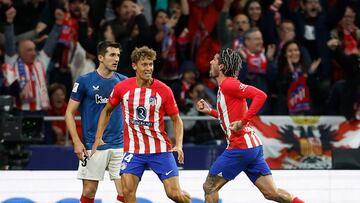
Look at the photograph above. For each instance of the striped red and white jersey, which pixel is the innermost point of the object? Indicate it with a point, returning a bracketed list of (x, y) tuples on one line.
[(144, 110), (232, 106), (34, 94)]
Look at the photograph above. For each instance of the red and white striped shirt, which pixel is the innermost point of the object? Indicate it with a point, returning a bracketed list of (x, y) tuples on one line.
[(144, 110), (34, 93), (232, 106)]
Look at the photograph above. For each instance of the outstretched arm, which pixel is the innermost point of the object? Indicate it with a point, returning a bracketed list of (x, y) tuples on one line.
[(204, 107)]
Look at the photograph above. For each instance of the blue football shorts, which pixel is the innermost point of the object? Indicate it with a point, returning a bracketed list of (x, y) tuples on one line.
[(233, 161), (163, 164)]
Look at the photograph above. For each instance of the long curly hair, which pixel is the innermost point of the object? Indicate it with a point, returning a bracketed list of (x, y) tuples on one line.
[(231, 61)]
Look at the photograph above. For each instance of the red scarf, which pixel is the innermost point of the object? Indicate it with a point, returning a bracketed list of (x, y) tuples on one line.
[(256, 63), (350, 42)]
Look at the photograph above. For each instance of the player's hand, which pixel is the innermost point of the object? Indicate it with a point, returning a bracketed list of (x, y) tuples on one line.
[(236, 126), (80, 151), (98, 142), (180, 154), (203, 106)]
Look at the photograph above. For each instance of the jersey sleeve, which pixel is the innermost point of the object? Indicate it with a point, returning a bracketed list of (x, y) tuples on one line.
[(115, 96), (170, 105), (78, 90), (240, 90)]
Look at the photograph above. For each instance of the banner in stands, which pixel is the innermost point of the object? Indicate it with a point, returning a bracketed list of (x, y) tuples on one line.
[(305, 142)]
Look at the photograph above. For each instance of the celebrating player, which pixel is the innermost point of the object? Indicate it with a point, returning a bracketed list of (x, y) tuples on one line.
[(244, 151)]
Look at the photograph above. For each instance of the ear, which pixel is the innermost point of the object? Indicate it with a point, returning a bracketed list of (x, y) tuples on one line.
[(100, 58), (221, 67), (133, 66)]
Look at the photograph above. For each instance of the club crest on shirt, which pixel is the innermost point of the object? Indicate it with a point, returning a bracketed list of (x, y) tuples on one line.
[(152, 101)]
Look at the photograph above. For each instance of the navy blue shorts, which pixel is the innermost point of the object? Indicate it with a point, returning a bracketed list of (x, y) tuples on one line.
[(232, 162), (163, 164)]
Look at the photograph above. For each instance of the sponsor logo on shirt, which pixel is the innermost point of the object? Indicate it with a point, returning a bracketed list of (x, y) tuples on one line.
[(95, 88), (100, 100), (141, 114)]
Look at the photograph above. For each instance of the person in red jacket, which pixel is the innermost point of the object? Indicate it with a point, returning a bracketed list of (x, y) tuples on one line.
[(244, 151)]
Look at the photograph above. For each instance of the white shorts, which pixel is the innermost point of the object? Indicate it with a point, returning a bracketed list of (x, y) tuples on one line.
[(94, 168)]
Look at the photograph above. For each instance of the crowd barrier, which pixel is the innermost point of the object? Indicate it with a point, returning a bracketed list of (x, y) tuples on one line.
[(297, 142)]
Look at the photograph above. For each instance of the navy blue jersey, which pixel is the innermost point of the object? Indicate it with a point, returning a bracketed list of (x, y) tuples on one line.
[(93, 91)]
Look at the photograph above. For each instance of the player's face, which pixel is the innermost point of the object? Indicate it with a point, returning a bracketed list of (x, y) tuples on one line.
[(214, 66), (111, 58), (144, 69)]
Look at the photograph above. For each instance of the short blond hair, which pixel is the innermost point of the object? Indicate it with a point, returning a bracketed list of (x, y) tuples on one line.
[(142, 53)]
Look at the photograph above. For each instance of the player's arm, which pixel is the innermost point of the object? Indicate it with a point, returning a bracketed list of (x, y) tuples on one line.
[(179, 134), (257, 97), (79, 147), (204, 107), (102, 124)]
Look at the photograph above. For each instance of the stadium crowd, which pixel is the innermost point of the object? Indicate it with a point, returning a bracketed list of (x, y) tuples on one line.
[(303, 53)]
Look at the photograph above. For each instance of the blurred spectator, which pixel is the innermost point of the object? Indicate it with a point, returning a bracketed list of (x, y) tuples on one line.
[(287, 33), (131, 30), (69, 59), (232, 36), (189, 77), (170, 40), (349, 35), (265, 16), (313, 23), (294, 91), (253, 10), (347, 32), (345, 95), (259, 69), (58, 103), (197, 131), (26, 69)]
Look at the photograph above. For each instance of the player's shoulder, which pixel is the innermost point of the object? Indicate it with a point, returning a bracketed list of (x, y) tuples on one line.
[(160, 85), (119, 76), (230, 82), (86, 78), (127, 82)]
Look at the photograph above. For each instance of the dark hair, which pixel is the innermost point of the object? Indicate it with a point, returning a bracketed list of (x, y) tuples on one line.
[(117, 3), (246, 9), (103, 45), (231, 61), (55, 86), (283, 62)]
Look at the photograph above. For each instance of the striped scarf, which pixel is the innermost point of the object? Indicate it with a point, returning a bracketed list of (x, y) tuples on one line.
[(32, 82)]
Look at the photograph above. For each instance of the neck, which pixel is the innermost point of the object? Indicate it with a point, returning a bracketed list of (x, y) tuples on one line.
[(104, 72), (144, 83), (220, 79)]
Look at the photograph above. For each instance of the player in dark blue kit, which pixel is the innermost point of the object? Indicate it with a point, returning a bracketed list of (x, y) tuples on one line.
[(91, 92)]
